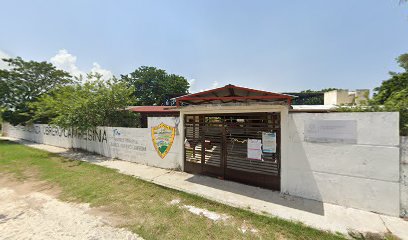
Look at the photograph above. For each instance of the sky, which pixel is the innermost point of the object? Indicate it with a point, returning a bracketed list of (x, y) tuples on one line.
[(271, 45)]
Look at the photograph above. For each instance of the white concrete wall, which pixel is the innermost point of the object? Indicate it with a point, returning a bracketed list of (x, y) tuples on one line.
[(364, 175), (338, 97), (330, 98), (130, 144), (404, 176)]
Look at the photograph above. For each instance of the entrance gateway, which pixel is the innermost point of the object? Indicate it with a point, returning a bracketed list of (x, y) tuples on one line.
[(220, 128)]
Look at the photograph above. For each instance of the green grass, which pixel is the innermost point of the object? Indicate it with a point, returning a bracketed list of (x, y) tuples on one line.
[(144, 206)]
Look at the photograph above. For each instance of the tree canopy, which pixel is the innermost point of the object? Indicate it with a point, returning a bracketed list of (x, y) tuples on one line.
[(391, 96), (398, 82), (24, 82), (309, 97), (86, 106), (38, 92), (155, 86), (393, 93), (403, 61), (319, 91)]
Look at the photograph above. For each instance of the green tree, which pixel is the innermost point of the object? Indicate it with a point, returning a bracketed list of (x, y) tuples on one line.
[(319, 91), (391, 96), (310, 97), (403, 61), (154, 86), (399, 102), (24, 83), (86, 106), (397, 83)]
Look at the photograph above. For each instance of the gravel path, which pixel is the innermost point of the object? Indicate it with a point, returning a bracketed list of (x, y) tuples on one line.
[(36, 215)]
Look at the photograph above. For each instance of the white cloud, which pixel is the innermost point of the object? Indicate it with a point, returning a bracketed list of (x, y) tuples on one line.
[(104, 72), (67, 62), (3, 65), (215, 84), (192, 85)]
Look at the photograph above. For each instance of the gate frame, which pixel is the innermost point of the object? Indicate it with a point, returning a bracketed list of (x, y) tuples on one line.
[(283, 109)]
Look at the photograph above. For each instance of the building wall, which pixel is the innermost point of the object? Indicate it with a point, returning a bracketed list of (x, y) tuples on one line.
[(337, 97), (364, 174), (404, 176), (344, 97), (361, 96), (130, 144), (330, 98)]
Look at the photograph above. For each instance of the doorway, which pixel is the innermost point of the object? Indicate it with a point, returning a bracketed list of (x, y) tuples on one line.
[(217, 145)]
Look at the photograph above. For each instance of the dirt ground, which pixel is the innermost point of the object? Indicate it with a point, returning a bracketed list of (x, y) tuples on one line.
[(31, 210)]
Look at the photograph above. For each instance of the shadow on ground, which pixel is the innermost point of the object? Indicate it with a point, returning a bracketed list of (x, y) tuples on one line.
[(262, 194), (84, 156)]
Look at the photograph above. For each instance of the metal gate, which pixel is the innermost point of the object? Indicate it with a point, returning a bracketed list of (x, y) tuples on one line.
[(216, 145)]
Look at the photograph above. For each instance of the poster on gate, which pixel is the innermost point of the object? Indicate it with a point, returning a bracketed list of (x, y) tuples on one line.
[(269, 142), (254, 151)]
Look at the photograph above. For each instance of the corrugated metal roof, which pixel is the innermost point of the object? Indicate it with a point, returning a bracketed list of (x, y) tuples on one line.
[(232, 93)]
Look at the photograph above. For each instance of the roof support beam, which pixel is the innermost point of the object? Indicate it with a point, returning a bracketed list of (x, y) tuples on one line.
[(232, 92), (235, 98), (213, 93)]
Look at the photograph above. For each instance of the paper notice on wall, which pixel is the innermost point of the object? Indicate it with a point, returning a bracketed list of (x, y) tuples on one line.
[(269, 142), (187, 143), (254, 149), (331, 131)]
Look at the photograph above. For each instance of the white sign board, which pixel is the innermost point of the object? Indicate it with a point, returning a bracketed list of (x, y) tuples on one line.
[(331, 131), (269, 142), (254, 149)]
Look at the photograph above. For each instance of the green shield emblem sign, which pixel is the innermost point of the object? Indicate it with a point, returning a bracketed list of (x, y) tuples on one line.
[(163, 137)]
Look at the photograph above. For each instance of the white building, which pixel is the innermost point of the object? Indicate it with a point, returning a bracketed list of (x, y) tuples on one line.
[(346, 97)]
